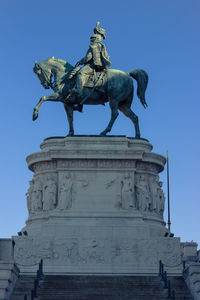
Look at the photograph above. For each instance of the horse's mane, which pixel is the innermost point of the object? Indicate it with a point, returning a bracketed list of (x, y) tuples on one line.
[(59, 61)]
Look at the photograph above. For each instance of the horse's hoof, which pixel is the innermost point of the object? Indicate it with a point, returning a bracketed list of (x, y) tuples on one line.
[(137, 136), (70, 134), (35, 116)]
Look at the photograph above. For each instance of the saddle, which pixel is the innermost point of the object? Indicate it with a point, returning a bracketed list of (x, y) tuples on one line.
[(91, 80)]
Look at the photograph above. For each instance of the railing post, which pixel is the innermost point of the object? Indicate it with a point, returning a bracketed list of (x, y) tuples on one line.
[(41, 268), (169, 289), (39, 275), (41, 265), (183, 265), (160, 267), (25, 297), (162, 271), (35, 287), (165, 279), (32, 295), (173, 295)]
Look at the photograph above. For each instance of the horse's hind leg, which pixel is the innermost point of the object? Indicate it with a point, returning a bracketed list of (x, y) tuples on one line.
[(126, 110), (114, 115)]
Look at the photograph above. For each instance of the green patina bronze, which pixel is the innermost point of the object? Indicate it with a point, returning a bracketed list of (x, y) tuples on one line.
[(92, 84)]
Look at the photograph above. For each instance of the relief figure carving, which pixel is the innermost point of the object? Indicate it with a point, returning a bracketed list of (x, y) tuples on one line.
[(109, 183), (73, 253), (157, 195), (65, 193), (153, 186), (36, 196), (160, 198), (142, 194), (29, 196), (127, 192), (49, 194), (96, 252)]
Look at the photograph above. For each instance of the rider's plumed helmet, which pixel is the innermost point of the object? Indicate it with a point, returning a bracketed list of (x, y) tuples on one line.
[(99, 30)]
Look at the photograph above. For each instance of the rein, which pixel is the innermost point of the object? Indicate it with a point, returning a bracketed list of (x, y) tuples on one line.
[(46, 77)]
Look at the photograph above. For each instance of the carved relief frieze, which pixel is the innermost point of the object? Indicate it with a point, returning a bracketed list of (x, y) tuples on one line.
[(77, 251), (127, 192), (34, 196), (142, 193), (37, 196), (126, 252), (110, 183), (65, 193), (157, 195), (78, 163), (29, 196), (170, 253), (148, 167), (83, 183), (49, 194), (83, 251), (149, 194), (42, 193), (73, 251), (150, 252), (24, 252), (95, 252), (147, 252), (43, 166), (96, 163)]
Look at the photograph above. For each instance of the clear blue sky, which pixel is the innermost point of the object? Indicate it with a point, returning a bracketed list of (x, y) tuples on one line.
[(159, 36)]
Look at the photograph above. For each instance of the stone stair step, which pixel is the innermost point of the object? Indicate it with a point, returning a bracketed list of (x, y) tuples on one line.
[(100, 288), (24, 285)]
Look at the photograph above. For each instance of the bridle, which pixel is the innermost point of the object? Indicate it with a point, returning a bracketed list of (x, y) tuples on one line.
[(45, 75)]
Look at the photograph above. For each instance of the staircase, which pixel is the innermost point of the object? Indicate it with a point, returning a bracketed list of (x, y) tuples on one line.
[(9, 273), (101, 288), (180, 287), (23, 286)]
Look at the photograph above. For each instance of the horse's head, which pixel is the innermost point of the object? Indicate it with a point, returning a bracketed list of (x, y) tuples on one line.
[(43, 73)]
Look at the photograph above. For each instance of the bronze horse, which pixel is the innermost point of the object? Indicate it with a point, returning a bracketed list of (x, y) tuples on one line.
[(117, 90)]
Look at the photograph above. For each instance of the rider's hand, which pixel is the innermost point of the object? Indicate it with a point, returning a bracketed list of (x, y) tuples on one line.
[(77, 64)]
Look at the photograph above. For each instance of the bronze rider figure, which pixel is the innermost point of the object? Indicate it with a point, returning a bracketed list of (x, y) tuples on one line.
[(96, 59)]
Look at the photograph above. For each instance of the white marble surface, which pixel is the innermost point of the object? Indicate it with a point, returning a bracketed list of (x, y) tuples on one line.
[(96, 206), (9, 274)]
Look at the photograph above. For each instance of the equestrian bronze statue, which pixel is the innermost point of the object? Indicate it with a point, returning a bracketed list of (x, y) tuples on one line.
[(92, 84)]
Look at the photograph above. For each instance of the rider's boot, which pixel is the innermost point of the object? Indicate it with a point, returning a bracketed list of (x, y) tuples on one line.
[(77, 91), (79, 84)]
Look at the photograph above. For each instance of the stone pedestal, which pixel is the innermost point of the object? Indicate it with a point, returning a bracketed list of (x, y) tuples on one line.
[(96, 207)]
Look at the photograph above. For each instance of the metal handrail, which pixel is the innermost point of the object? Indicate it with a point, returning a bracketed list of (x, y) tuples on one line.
[(167, 282), (39, 276)]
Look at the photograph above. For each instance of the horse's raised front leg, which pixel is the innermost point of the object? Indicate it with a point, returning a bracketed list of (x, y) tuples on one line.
[(53, 97), (37, 107), (114, 115), (69, 112)]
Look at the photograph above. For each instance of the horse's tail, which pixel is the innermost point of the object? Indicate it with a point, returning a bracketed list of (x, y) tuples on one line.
[(142, 80)]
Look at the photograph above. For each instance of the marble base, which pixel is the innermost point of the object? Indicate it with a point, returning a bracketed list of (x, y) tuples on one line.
[(96, 207)]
